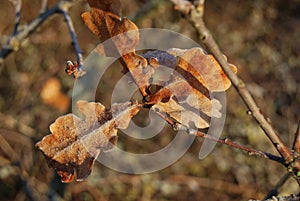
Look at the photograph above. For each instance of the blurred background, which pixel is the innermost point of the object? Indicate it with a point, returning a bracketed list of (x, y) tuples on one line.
[(260, 37)]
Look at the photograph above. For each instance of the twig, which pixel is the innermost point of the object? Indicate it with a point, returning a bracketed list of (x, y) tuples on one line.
[(18, 5), (225, 141), (195, 16), (44, 6), (275, 190), (75, 43), (296, 144), (295, 166), (16, 39)]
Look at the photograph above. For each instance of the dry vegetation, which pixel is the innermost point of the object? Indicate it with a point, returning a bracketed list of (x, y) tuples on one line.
[(260, 37)]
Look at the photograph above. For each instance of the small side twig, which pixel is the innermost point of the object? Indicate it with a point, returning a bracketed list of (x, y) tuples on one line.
[(225, 141), (75, 68), (75, 43)]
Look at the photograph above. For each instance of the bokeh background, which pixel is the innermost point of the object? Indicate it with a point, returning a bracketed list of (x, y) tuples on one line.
[(260, 37)]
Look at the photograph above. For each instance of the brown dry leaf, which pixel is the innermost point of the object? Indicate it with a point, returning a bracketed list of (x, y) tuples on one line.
[(186, 96), (99, 12), (205, 69), (184, 103), (75, 143), (51, 95), (104, 21)]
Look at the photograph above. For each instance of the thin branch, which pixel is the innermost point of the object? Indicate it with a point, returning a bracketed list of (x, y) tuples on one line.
[(44, 6), (226, 141), (295, 166), (296, 144), (18, 6), (61, 7), (73, 37), (16, 39), (75, 68), (195, 16)]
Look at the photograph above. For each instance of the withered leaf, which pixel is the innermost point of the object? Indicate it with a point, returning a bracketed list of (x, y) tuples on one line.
[(205, 69), (75, 143), (96, 18), (184, 103), (186, 96), (104, 21)]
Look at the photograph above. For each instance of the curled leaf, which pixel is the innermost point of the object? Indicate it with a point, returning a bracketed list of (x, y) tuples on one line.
[(96, 18), (205, 69), (186, 95), (75, 143), (104, 21), (183, 103)]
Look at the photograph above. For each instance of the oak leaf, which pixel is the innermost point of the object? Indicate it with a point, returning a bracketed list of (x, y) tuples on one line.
[(75, 143), (186, 95), (104, 21), (205, 69)]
